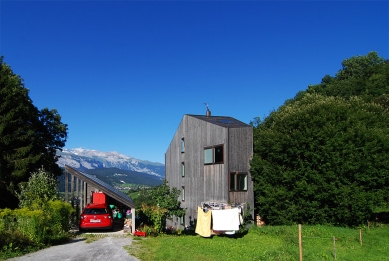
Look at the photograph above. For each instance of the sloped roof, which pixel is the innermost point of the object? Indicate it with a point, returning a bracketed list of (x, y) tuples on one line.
[(223, 121), (102, 186)]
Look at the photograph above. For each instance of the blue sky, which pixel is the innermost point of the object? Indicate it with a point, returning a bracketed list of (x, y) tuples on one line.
[(123, 73)]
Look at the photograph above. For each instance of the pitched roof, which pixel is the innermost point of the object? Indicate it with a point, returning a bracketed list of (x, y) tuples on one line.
[(101, 185), (223, 121)]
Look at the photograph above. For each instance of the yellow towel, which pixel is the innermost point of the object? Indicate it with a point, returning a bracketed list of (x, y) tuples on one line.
[(203, 224)]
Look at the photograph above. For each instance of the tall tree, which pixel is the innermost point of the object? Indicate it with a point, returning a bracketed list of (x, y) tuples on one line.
[(52, 137), (28, 137), (322, 156), (366, 76)]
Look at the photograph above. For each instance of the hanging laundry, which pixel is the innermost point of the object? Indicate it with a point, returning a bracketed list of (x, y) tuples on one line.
[(203, 224), (225, 220)]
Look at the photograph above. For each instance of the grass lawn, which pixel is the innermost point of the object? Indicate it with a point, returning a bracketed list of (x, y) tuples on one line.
[(269, 243)]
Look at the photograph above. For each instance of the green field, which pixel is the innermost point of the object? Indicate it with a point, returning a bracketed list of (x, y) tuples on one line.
[(134, 195), (270, 243)]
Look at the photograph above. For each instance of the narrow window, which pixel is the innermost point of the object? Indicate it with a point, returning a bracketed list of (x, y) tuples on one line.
[(183, 193), (232, 181), (241, 182), (182, 145), (182, 220), (238, 181), (182, 169)]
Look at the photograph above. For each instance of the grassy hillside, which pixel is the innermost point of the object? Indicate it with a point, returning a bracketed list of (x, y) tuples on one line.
[(119, 178)]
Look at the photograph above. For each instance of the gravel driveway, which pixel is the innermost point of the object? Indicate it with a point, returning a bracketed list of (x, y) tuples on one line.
[(109, 248)]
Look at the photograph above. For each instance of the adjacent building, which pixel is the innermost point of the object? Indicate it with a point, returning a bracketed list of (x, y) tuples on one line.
[(208, 159)]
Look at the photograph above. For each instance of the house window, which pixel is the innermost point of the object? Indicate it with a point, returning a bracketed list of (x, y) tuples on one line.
[(238, 181), (218, 150), (183, 193), (213, 155), (182, 220), (182, 169), (182, 145), (208, 156)]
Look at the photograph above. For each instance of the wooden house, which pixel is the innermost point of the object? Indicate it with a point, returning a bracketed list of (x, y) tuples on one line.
[(208, 159)]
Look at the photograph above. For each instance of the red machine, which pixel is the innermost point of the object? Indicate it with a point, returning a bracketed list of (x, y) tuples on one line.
[(99, 198)]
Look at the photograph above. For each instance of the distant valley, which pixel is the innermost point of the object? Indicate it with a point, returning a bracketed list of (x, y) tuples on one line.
[(116, 169)]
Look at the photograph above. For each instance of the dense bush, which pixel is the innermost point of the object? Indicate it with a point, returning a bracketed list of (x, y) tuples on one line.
[(40, 227), (163, 204), (321, 158), (40, 188)]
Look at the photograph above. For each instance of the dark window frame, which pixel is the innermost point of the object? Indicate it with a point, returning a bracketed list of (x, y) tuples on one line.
[(183, 194), (216, 157), (233, 181), (182, 169)]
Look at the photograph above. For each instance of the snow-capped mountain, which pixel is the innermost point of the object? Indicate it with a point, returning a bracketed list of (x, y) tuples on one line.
[(82, 159)]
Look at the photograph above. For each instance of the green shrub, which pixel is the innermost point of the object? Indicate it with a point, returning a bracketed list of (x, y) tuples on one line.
[(59, 214), (15, 243), (42, 227), (40, 189)]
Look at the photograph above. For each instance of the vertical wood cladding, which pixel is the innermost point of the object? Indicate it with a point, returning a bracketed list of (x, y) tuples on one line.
[(208, 182)]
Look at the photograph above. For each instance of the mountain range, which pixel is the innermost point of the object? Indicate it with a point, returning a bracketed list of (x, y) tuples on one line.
[(86, 159)]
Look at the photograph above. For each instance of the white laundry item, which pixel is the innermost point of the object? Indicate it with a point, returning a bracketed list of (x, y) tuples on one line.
[(224, 220)]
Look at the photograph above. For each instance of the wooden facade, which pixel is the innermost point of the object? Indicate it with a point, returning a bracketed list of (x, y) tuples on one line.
[(186, 168)]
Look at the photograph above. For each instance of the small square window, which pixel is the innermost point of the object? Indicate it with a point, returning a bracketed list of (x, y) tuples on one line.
[(238, 181)]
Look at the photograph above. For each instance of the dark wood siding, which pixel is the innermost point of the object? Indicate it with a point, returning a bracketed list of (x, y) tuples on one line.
[(206, 182), (239, 156)]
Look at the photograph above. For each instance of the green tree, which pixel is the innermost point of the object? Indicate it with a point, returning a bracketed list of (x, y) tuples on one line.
[(28, 137), (321, 157), (38, 191), (366, 76), (52, 135), (165, 204)]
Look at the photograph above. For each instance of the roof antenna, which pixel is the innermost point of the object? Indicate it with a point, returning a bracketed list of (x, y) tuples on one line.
[(208, 113)]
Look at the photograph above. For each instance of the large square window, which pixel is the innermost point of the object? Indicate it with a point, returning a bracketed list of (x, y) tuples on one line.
[(213, 155), (238, 181)]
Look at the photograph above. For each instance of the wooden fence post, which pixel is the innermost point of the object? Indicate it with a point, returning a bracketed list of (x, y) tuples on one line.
[(300, 243)]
